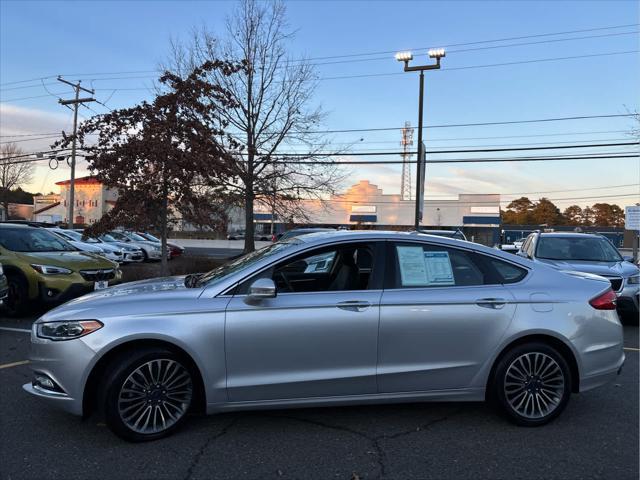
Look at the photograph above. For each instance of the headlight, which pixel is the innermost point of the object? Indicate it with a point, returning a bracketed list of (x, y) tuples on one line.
[(50, 269), (635, 280), (67, 330), (1, 270)]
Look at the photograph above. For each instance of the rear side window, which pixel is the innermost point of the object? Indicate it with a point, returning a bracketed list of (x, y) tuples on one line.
[(419, 266), (506, 272)]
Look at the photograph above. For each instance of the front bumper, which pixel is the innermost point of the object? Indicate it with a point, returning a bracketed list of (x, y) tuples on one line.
[(67, 363), (628, 299)]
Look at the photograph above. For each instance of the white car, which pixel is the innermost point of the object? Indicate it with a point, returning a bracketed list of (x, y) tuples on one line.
[(110, 252), (150, 250), (80, 245)]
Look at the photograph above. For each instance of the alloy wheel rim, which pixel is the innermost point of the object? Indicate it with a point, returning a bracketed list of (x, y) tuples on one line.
[(534, 385), (155, 396)]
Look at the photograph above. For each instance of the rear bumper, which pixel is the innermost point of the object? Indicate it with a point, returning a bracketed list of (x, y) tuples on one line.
[(628, 299), (601, 378)]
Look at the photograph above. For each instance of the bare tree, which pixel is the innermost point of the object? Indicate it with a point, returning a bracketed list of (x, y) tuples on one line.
[(13, 172), (273, 94)]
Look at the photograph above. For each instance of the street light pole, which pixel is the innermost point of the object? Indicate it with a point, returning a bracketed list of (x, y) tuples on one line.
[(419, 166), (406, 57)]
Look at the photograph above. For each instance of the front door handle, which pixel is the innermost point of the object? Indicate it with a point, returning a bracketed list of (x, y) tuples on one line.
[(495, 303), (354, 305)]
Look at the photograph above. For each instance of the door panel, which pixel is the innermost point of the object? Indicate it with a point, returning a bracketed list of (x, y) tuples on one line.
[(302, 345), (434, 339)]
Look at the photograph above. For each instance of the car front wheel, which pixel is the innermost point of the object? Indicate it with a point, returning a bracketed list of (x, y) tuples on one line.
[(532, 384), (147, 395)]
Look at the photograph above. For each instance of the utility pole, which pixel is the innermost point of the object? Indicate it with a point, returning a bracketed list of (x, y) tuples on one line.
[(75, 102)]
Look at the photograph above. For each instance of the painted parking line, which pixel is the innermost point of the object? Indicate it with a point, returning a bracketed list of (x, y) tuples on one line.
[(21, 330), (14, 364)]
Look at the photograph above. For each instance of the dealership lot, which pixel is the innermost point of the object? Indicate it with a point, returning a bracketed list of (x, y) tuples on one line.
[(597, 436)]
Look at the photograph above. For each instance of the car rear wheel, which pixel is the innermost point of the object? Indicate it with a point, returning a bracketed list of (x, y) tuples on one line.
[(532, 384), (17, 302), (147, 395)]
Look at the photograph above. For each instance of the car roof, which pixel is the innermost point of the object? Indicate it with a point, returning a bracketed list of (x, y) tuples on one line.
[(16, 225), (570, 234)]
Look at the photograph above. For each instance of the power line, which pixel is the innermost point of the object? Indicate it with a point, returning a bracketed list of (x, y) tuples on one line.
[(488, 65)]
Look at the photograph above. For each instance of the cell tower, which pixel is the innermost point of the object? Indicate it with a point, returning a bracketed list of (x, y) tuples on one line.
[(406, 143)]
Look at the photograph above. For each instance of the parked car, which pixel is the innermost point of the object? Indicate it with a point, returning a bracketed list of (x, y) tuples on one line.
[(389, 317), (130, 253), (75, 239), (4, 286), (296, 232), (240, 234), (40, 267), (112, 252), (174, 249), (589, 253), (456, 234), (150, 250)]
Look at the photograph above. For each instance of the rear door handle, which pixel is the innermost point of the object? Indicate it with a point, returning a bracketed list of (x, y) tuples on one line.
[(354, 305), (495, 303)]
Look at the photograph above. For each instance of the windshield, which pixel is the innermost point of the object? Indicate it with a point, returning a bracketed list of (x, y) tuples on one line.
[(150, 237), (135, 237), (592, 249), (240, 263), (32, 240), (107, 238)]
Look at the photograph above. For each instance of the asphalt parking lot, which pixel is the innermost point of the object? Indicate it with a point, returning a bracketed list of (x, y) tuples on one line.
[(596, 437)]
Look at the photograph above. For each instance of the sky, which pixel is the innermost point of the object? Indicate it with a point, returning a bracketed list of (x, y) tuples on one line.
[(102, 42)]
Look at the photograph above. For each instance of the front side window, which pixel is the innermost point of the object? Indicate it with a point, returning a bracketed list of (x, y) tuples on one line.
[(337, 268), (424, 265)]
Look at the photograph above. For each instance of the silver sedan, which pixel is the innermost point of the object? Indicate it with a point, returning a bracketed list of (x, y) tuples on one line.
[(332, 319)]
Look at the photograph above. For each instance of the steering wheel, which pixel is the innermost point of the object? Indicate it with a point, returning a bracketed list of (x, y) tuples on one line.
[(286, 280)]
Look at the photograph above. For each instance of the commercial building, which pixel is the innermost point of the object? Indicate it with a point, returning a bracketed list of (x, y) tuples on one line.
[(365, 205)]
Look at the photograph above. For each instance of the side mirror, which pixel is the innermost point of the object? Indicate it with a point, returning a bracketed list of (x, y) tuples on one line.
[(262, 288), (628, 258)]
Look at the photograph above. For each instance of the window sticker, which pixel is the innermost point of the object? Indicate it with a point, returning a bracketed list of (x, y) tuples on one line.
[(413, 272), (438, 267)]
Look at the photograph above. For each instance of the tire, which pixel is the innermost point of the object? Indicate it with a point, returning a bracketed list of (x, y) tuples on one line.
[(145, 257), (17, 303), (531, 384), (138, 409)]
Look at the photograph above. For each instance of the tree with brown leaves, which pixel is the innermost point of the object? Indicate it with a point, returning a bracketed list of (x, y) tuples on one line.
[(165, 157)]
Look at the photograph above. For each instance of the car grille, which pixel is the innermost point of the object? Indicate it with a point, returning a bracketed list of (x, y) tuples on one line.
[(616, 283), (98, 275)]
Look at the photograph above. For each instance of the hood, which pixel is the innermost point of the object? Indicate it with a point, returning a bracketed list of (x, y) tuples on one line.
[(133, 298), (72, 260), (85, 247), (607, 269)]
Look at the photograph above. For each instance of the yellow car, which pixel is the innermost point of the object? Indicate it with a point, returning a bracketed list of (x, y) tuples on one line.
[(42, 268)]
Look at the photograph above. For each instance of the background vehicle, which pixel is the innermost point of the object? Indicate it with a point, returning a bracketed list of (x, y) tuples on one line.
[(75, 239), (456, 234), (40, 267), (150, 250), (296, 232), (589, 253), (130, 253), (4, 285), (239, 235), (174, 249), (380, 317)]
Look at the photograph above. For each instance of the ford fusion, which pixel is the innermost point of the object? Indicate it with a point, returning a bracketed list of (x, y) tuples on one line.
[(332, 318)]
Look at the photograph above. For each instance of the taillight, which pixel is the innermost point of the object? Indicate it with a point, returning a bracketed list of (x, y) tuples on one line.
[(605, 301)]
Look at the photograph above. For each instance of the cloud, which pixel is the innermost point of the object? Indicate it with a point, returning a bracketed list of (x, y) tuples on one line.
[(16, 120)]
